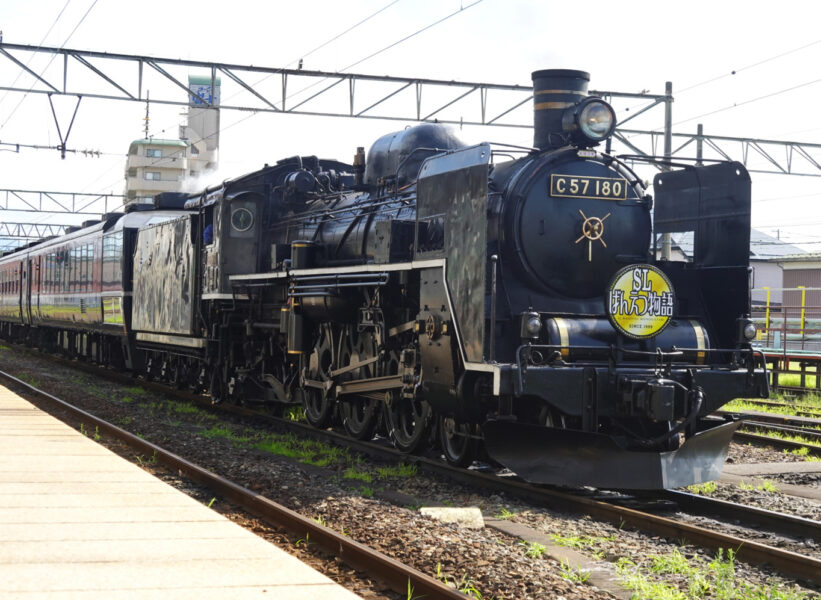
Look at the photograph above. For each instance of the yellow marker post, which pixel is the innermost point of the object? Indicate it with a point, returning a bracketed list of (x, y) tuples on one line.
[(803, 307)]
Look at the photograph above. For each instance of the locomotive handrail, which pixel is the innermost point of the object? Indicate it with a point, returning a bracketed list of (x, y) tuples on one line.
[(326, 283)]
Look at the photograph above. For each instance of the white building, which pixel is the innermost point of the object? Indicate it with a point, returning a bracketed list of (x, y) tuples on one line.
[(155, 165)]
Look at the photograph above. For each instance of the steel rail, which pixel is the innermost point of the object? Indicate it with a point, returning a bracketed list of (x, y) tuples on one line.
[(764, 440), (750, 515), (398, 576), (790, 563), (809, 433)]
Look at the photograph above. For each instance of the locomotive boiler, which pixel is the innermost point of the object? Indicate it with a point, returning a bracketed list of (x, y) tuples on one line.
[(492, 298)]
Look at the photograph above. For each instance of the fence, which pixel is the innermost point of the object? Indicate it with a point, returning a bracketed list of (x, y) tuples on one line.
[(790, 336)]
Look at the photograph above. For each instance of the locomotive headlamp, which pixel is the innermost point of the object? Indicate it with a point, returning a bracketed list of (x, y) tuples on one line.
[(531, 325), (590, 121), (746, 330)]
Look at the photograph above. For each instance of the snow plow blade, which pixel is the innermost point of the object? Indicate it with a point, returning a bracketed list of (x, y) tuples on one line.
[(548, 455)]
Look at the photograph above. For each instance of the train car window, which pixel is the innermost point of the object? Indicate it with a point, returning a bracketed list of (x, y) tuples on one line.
[(112, 258)]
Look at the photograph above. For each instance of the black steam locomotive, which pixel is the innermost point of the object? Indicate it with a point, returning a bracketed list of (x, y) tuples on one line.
[(496, 296)]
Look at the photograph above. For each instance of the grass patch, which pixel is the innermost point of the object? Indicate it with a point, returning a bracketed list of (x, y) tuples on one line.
[(136, 390), (768, 485), (576, 575), (354, 473), (780, 435), (696, 578), (808, 404), (310, 452), (226, 433), (185, 408), (505, 514), (29, 379), (533, 549), (400, 470), (4, 347)]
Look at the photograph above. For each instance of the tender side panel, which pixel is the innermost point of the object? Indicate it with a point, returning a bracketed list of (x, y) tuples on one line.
[(164, 273)]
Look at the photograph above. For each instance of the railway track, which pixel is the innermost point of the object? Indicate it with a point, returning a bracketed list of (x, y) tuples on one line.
[(757, 426), (801, 410), (789, 563)]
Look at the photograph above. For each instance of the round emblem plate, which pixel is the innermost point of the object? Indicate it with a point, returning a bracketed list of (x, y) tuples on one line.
[(640, 301)]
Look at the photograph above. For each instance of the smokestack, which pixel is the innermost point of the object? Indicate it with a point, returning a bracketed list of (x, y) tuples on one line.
[(553, 91)]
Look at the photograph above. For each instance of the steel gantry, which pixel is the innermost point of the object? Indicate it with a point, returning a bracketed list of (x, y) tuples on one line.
[(108, 76), (78, 203)]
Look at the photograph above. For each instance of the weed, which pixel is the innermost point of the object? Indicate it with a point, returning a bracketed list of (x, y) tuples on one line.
[(787, 437), (505, 514), (294, 413), (703, 489), (580, 542), (534, 549), (747, 487), (142, 461), (210, 504), (224, 432), (126, 400), (307, 451), (3, 347), (136, 390), (366, 492), (83, 429), (676, 562), (125, 421), (467, 587), (29, 379), (447, 502), (319, 520), (97, 435), (768, 485), (400, 470), (306, 541), (715, 579), (439, 575), (185, 408), (353, 473), (577, 575)]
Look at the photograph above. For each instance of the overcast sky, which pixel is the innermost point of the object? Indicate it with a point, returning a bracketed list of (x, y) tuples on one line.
[(773, 49)]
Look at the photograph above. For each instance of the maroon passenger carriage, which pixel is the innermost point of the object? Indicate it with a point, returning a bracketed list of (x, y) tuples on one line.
[(73, 292)]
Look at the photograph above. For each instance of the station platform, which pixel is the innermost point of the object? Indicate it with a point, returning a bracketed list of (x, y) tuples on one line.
[(78, 521)]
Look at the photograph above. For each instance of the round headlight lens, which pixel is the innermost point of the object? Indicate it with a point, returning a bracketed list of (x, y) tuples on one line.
[(533, 326), (597, 120), (750, 331)]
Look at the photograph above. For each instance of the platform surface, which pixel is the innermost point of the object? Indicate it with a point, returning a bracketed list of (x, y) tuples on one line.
[(78, 521)]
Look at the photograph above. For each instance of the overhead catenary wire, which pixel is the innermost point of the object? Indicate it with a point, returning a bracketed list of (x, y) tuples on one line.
[(25, 95), (302, 56), (730, 74), (42, 41), (372, 55)]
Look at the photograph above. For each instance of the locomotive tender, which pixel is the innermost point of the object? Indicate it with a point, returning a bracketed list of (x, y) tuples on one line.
[(500, 296)]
